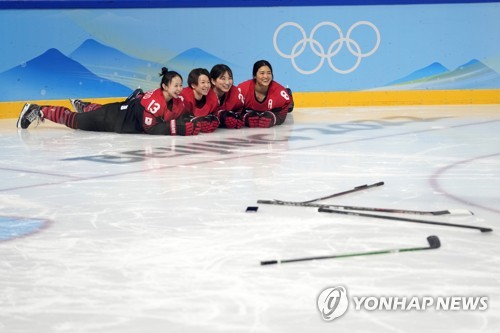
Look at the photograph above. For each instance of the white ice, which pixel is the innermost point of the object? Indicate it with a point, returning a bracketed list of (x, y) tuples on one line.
[(151, 234)]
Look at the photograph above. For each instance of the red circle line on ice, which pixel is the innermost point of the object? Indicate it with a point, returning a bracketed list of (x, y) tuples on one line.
[(439, 174)]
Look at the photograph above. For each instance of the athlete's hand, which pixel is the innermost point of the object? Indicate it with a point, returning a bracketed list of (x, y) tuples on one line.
[(251, 118), (267, 119), (214, 122), (202, 122), (230, 119), (184, 128)]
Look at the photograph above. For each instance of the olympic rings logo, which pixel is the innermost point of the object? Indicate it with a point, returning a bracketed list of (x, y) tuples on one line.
[(334, 48)]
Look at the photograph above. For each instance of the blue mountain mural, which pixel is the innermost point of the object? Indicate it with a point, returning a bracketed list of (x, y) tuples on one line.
[(93, 70), (52, 75), (114, 65), (429, 71), (472, 75), (196, 58)]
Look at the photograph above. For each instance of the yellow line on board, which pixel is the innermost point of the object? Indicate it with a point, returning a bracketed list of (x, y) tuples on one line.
[(392, 98), (331, 99)]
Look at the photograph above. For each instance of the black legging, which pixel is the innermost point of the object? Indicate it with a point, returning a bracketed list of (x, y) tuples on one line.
[(109, 118)]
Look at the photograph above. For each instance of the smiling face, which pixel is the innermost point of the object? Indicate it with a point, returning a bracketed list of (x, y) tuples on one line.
[(202, 87), (173, 89), (223, 83), (264, 76)]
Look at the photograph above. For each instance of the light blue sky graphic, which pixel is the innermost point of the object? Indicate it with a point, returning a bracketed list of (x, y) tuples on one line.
[(412, 37)]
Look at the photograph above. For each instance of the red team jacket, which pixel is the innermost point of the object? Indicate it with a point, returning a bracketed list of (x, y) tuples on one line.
[(232, 101), (209, 107), (157, 113), (277, 100)]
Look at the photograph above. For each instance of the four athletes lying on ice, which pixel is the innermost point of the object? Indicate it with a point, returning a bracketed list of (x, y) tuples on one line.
[(209, 101)]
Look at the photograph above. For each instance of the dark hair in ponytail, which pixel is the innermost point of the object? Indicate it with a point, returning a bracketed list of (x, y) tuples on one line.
[(218, 70), (167, 76), (260, 64)]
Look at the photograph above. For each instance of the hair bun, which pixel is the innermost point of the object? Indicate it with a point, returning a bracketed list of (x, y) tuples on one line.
[(164, 71)]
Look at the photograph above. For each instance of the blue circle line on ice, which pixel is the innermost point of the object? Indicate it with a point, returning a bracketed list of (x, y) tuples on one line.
[(13, 227), (317, 48)]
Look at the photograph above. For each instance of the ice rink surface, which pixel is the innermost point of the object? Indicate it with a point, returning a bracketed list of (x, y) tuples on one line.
[(104, 232)]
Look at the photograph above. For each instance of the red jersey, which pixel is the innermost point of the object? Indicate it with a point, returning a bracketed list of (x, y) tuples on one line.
[(193, 106), (231, 101), (277, 99), (156, 110)]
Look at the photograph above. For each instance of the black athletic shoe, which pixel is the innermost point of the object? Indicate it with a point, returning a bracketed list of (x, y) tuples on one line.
[(78, 105), (29, 114), (289, 91), (136, 93)]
